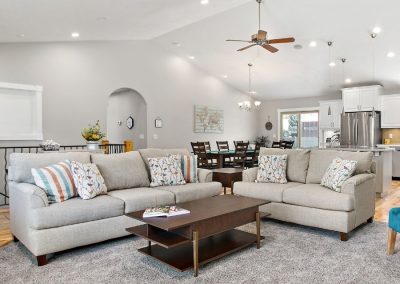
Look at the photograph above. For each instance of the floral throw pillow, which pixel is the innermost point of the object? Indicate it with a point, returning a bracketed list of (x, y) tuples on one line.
[(88, 180), (272, 168), (188, 165), (165, 171), (337, 172)]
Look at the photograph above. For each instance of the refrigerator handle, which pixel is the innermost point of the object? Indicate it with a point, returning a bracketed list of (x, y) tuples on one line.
[(356, 132)]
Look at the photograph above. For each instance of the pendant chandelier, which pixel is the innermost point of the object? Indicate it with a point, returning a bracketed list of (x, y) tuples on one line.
[(246, 105)]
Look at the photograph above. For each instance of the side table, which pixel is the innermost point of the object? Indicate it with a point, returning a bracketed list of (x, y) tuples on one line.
[(227, 176)]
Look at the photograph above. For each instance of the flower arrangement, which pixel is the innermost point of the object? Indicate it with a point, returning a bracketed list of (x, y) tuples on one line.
[(93, 132)]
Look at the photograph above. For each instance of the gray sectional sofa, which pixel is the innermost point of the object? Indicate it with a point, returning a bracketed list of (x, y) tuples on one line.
[(304, 201), (47, 228)]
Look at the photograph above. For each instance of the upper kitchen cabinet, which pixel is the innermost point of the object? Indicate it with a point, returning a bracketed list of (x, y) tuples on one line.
[(390, 116), (362, 98), (329, 114)]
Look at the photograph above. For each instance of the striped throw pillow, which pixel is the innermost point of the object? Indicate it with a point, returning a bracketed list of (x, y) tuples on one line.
[(188, 165), (56, 180)]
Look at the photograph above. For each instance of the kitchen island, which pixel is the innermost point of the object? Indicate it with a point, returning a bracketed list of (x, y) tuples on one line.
[(383, 166)]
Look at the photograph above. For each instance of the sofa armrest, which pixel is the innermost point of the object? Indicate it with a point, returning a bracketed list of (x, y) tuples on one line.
[(362, 188), (204, 175), (351, 185), (250, 175), (35, 195)]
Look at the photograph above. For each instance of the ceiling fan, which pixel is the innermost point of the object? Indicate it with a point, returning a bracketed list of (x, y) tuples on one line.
[(260, 38)]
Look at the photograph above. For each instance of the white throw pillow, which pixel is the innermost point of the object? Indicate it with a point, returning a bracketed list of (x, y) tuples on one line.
[(88, 180), (337, 172), (165, 171), (272, 168)]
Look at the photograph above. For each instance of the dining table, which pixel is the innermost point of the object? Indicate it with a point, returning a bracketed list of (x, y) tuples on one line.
[(221, 155)]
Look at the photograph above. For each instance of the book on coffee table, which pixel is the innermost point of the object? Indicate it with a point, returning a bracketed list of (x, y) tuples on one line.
[(164, 211)]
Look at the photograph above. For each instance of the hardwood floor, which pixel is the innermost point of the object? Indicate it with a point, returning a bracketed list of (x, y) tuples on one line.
[(382, 208)]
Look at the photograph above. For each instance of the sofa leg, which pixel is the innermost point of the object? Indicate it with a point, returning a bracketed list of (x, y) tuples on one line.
[(391, 241), (370, 220), (41, 260), (344, 237), (15, 238)]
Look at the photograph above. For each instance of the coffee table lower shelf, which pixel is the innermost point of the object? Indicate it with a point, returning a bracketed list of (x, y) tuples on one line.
[(211, 248)]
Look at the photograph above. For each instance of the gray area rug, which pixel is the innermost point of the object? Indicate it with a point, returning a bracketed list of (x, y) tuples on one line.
[(289, 254)]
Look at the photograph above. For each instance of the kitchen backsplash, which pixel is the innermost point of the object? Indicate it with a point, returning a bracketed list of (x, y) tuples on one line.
[(395, 135)]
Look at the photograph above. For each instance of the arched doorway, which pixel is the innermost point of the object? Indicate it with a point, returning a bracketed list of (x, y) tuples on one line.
[(122, 104)]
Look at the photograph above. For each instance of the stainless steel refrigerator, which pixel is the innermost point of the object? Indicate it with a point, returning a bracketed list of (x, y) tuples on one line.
[(360, 129)]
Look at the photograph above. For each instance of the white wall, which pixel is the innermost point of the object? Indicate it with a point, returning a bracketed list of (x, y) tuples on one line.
[(78, 78), (122, 104), (270, 108)]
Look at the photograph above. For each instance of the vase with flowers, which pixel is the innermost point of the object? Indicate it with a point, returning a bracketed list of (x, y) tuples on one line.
[(92, 134)]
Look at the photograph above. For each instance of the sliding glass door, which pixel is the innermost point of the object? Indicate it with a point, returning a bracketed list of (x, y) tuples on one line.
[(300, 127)]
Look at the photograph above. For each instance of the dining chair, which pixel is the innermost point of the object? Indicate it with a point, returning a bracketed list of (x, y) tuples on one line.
[(223, 146), (239, 158), (287, 144), (203, 159), (276, 144), (252, 160), (235, 142)]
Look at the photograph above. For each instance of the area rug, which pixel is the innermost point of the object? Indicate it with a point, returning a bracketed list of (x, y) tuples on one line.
[(289, 254)]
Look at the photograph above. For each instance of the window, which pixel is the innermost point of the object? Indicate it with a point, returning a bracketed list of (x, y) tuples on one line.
[(20, 112), (300, 127)]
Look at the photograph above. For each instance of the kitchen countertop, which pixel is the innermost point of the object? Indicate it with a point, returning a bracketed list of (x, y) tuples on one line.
[(388, 145)]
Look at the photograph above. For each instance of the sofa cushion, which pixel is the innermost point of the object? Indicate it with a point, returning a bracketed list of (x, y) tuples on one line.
[(321, 159), (141, 198), (337, 173), (193, 191), (266, 191), (22, 163), (317, 196), (157, 153), (75, 211), (165, 171), (121, 171), (297, 162), (88, 180)]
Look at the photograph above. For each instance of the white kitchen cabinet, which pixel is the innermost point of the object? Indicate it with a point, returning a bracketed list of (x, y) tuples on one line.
[(362, 98), (390, 115), (332, 120)]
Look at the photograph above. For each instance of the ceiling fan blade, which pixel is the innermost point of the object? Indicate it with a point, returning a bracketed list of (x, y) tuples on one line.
[(246, 47), (238, 40), (270, 48), (262, 35), (281, 40)]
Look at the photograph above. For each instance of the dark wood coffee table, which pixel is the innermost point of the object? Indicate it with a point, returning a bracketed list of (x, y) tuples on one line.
[(206, 234), (227, 176)]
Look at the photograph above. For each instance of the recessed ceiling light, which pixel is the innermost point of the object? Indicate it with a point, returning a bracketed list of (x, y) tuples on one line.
[(332, 64), (192, 57), (347, 81), (204, 2), (224, 76), (252, 92), (376, 30), (313, 43), (391, 54), (75, 35), (176, 44)]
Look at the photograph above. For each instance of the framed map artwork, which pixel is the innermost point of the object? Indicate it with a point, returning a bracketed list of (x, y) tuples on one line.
[(208, 119)]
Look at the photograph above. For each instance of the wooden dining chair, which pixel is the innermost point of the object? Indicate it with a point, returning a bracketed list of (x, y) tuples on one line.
[(287, 144), (252, 160), (203, 159), (239, 158), (276, 144), (223, 146)]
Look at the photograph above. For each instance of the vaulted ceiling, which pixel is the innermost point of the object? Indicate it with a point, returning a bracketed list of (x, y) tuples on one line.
[(201, 31)]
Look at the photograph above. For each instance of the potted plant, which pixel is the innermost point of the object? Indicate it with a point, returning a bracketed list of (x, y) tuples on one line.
[(92, 135), (263, 140)]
